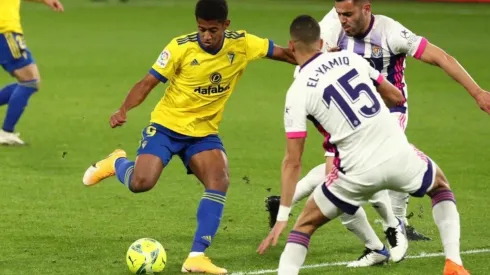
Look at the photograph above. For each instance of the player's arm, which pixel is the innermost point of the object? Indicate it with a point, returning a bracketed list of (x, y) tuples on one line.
[(295, 124), (283, 54), (391, 95), (259, 47), (402, 40), (53, 4), (163, 69), (434, 55)]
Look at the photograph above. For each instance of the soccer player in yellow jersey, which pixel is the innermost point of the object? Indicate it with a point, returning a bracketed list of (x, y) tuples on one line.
[(17, 60), (203, 69)]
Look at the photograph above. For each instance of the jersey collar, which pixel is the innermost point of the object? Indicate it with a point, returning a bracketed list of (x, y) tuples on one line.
[(368, 30), (309, 60), (212, 51)]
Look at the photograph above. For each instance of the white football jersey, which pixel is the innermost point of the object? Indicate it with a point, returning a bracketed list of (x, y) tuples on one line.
[(336, 91), (385, 45)]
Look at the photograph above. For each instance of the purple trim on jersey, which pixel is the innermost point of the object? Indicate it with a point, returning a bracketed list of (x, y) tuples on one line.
[(343, 41), (317, 125), (359, 47), (427, 181), (368, 30), (309, 60), (399, 109), (396, 71), (342, 205)]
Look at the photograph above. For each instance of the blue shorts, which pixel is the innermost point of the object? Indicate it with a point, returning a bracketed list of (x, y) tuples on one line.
[(164, 143), (14, 54)]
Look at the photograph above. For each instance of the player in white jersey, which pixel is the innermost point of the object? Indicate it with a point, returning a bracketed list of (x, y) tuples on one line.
[(385, 43), (336, 90)]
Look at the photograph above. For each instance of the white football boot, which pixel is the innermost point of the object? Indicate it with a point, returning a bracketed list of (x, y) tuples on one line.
[(7, 138), (371, 258), (398, 242)]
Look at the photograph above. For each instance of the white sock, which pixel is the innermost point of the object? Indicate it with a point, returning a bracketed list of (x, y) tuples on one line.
[(306, 185), (382, 204), (195, 254), (359, 225), (399, 204), (446, 217), (292, 258)]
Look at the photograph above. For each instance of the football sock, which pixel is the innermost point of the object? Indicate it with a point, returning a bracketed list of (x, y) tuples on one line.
[(399, 203), (308, 183), (381, 203), (17, 103), (208, 219), (6, 92), (359, 225), (446, 217), (294, 254), (124, 171)]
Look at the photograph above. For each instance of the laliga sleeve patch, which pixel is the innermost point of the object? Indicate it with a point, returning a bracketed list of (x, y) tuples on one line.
[(163, 59)]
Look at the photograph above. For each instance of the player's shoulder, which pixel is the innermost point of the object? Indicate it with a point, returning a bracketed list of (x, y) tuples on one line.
[(185, 40), (235, 35), (387, 24)]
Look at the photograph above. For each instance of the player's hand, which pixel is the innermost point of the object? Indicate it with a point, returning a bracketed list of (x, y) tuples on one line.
[(118, 118), (334, 49), (483, 100), (273, 237), (54, 5)]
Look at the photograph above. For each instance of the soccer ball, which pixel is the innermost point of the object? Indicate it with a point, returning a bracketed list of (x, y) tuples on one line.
[(146, 256)]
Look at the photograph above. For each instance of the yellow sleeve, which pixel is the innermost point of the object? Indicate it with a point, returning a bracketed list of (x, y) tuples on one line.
[(168, 62), (258, 47)]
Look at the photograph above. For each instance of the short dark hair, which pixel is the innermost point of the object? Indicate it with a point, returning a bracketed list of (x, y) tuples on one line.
[(305, 28), (212, 10)]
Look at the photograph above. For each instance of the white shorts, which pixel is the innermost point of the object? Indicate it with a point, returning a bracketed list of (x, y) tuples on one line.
[(409, 171)]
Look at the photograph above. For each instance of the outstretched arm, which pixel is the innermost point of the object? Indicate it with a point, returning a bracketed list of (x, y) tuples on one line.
[(283, 54), (436, 56)]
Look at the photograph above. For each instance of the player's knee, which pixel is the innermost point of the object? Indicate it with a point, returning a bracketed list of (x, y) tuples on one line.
[(440, 183), (219, 182), (34, 84), (141, 184)]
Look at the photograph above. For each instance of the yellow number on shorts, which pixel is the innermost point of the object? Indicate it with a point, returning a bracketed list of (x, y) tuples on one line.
[(150, 131), (21, 42)]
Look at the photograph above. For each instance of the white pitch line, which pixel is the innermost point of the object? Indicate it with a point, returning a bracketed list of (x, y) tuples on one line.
[(421, 255)]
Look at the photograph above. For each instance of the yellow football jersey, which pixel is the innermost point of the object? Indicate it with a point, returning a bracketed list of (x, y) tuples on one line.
[(10, 16), (201, 81)]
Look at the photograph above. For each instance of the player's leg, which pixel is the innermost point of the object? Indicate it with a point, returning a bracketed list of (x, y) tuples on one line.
[(205, 158), (20, 64), (304, 188), (399, 200), (393, 227), (338, 195), (422, 176), (446, 217), (154, 153), (310, 219), (375, 252)]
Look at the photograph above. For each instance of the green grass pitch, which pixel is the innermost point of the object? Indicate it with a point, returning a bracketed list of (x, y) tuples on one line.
[(92, 54)]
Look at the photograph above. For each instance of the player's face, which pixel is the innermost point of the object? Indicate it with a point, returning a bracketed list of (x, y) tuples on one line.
[(211, 32), (353, 17)]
